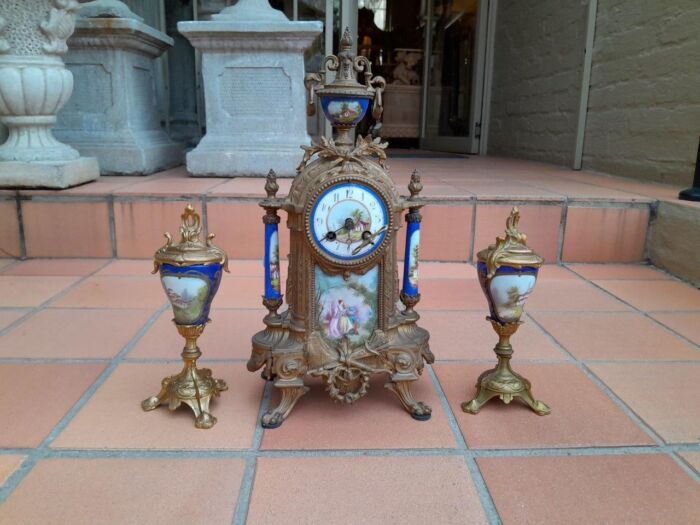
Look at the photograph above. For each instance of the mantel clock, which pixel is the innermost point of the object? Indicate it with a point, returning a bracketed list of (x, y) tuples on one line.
[(344, 322)]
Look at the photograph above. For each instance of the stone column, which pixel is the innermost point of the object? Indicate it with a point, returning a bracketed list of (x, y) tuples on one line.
[(253, 69), (34, 86), (114, 113)]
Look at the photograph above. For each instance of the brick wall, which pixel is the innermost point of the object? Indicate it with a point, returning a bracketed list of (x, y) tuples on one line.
[(538, 59), (644, 102)]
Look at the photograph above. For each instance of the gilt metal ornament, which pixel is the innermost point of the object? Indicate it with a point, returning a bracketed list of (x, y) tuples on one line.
[(190, 272), (342, 323)]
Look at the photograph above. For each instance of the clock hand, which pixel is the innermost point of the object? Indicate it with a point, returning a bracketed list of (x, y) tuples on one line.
[(368, 238), (348, 225)]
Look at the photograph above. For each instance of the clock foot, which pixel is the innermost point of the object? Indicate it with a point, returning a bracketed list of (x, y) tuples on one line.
[(290, 395), (418, 410)]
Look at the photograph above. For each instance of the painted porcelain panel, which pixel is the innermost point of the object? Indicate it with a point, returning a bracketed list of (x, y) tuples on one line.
[(509, 293), (190, 291), (346, 308), (344, 111), (273, 264), (413, 251)]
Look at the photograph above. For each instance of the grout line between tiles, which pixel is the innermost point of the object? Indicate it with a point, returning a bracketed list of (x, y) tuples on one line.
[(44, 447), (35, 309), (240, 514), (606, 390), (640, 311), (480, 486), (20, 226)]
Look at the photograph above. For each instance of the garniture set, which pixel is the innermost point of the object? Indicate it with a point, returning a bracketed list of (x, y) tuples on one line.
[(348, 317)]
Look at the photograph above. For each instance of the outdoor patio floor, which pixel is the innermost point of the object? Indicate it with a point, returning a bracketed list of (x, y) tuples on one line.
[(613, 349)]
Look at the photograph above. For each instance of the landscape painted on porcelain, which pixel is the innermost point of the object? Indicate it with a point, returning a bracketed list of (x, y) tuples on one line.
[(345, 111), (509, 293), (413, 250), (274, 262), (188, 295), (346, 308)]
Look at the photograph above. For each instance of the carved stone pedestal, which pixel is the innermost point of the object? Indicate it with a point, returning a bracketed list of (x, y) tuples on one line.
[(253, 70), (113, 114)]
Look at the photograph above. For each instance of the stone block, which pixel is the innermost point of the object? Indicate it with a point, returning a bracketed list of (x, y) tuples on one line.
[(48, 174), (674, 239), (253, 71), (113, 114)]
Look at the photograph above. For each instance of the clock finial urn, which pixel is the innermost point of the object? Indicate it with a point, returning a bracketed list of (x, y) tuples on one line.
[(342, 323)]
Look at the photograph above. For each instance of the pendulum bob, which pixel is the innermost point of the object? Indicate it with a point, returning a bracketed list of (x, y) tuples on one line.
[(190, 272), (507, 273)]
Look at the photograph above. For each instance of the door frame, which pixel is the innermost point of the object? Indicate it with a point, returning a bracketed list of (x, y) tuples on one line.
[(483, 43)]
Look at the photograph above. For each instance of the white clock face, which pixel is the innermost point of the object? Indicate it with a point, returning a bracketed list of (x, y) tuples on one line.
[(349, 221)]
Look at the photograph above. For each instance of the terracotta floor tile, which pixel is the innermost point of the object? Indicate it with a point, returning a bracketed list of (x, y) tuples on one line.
[(444, 270), (250, 187), (226, 337), (8, 464), (553, 271), (128, 267), (655, 296), (115, 292), (649, 489), (4, 263), (468, 335), (31, 290), (73, 333), (619, 271), (446, 233), (385, 490), (662, 394), (170, 186), (66, 267), (7, 317), (692, 458), (688, 325), (9, 229), (127, 490), (129, 427), (240, 292), (564, 295), (615, 336), (451, 294), (42, 394), (582, 415), (376, 421)]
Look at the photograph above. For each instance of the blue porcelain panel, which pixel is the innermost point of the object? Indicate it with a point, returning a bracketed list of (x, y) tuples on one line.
[(344, 111), (271, 262), (410, 261), (190, 290)]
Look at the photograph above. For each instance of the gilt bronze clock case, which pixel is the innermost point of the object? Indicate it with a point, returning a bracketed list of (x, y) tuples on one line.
[(343, 323)]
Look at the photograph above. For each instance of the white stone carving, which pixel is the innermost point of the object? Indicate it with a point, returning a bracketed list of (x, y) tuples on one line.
[(34, 86), (253, 71), (115, 117)]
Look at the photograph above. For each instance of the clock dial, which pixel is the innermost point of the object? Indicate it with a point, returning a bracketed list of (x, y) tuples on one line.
[(349, 221)]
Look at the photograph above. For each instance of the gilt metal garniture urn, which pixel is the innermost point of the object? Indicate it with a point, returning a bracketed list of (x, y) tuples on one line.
[(190, 272), (342, 323), (507, 272)]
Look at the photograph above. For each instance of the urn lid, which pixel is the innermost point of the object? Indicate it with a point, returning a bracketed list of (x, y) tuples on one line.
[(190, 250), (346, 65), (511, 250)]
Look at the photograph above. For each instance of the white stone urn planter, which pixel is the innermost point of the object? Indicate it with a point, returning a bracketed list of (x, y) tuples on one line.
[(34, 86)]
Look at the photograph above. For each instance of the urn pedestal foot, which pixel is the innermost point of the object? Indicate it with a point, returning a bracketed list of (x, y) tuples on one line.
[(195, 388), (290, 395), (507, 385), (418, 410)]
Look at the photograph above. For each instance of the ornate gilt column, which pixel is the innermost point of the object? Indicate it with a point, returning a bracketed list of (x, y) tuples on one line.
[(34, 86)]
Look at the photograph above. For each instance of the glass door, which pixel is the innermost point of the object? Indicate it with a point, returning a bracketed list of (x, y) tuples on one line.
[(453, 75)]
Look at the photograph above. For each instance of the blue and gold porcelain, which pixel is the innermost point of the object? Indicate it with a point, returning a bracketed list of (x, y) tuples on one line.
[(190, 272), (507, 273)]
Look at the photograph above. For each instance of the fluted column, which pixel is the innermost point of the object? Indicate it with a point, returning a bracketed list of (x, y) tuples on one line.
[(34, 86)]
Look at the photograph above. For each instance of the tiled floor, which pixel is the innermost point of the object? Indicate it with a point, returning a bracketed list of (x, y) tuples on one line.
[(613, 349)]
